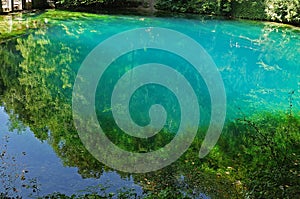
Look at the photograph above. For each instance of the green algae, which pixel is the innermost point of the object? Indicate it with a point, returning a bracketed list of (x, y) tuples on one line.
[(18, 24)]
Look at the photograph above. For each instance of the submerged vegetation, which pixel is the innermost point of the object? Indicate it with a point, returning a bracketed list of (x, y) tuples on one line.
[(264, 152), (257, 156)]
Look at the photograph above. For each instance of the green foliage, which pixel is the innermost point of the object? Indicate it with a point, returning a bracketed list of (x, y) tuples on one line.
[(40, 4), (277, 10), (250, 9), (94, 5), (215, 7), (283, 11), (72, 3), (1, 7)]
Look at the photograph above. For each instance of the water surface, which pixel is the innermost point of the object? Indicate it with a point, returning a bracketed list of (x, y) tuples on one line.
[(259, 64)]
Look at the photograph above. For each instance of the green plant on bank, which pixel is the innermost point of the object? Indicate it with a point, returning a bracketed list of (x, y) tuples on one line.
[(275, 10), (13, 177), (214, 7), (68, 3), (96, 3), (283, 11)]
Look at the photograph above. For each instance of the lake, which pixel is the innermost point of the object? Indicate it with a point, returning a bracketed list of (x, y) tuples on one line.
[(258, 64)]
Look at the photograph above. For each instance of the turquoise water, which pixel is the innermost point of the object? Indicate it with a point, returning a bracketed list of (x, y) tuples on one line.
[(258, 62)]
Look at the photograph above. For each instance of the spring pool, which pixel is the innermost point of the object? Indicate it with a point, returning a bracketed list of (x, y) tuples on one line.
[(258, 62)]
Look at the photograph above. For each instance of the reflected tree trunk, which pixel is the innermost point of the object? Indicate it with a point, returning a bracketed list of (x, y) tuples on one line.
[(39, 4), (12, 2), (23, 4), (1, 8), (151, 5)]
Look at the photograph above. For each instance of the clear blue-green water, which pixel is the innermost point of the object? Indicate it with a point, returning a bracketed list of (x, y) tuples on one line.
[(259, 64)]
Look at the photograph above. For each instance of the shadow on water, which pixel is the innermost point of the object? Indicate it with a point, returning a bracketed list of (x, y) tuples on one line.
[(38, 71)]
